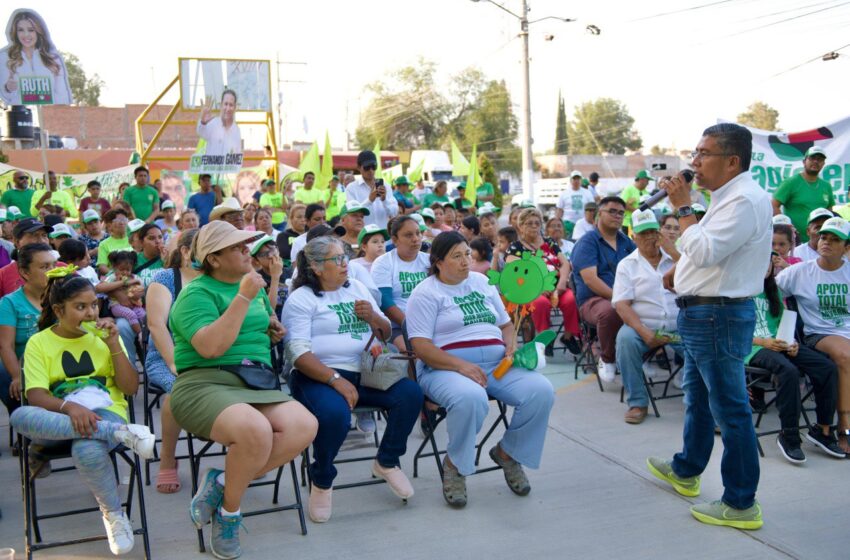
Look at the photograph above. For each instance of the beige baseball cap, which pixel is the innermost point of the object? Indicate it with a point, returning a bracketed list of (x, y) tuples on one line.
[(219, 235)]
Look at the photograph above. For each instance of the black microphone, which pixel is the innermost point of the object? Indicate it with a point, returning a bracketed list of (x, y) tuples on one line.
[(661, 194)]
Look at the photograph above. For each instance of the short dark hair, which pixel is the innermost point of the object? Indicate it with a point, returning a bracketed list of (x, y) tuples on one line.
[(483, 247), (142, 233), (231, 92), (72, 250), (441, 247), (114, 213), (27, 252), (139, 169), (593, 176), (203, 176), (610, 199), (473, 224), (509, 233), (733, 139), (93, 184), (398, 222), (121, 256), (309, 173), (312, 209)]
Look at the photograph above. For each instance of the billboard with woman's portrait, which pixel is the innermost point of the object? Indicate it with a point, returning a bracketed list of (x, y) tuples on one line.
[(32, 71)]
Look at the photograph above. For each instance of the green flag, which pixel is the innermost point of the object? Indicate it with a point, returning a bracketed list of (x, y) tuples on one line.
[(474, 178), (460, 167), (324, 178), (310, 162), (415, 174)]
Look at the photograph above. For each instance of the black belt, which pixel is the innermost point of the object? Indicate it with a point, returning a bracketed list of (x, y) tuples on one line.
[(691, 301), (228, 367)]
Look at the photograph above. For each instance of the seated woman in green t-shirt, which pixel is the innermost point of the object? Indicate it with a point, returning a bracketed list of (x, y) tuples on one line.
[(226, 389)]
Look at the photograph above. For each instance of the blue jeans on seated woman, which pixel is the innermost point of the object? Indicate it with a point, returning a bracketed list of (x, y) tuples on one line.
[(716, 339), (630, 351), (466, 404), (403, 402)]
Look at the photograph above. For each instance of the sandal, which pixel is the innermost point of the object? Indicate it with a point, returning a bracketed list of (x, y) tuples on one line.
[(454, 486), (514, 475), (167, 481)]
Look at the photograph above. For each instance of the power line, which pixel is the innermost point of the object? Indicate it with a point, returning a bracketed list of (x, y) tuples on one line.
[(786, 20), (808, 61), (683, 10)]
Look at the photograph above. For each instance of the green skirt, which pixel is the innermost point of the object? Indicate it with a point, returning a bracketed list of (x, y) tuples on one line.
[(200, 395)]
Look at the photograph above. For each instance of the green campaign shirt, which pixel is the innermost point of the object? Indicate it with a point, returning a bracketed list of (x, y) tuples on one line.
[(631, 195), (143, 200), (146, 274), (20, 198), (313, 196), (766, 324), (485, 189), (111, 244), (799, 198), (431, 198), (201, 303), (57, 198), (273, 200)]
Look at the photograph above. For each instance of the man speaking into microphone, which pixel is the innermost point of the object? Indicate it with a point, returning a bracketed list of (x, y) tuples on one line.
[(724, 260)]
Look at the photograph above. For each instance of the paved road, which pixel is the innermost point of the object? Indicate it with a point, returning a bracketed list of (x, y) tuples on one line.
[(593, 498)]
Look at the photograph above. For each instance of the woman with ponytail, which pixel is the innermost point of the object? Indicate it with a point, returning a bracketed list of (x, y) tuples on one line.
[(76, 378)]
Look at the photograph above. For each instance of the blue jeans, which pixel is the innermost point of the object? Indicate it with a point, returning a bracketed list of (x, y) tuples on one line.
[(529, 392), (716, 340), (630, 351), (403, 402)]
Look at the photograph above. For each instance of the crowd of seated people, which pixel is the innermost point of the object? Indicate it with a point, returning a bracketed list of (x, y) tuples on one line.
[(215, 307)]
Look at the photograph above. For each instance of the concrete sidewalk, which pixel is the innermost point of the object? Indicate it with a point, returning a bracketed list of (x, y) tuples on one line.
[(592, 498)]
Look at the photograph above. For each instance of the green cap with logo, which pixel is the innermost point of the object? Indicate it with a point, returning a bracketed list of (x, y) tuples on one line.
[(815, 151), (370, 229), (644, 174), (644, 221), (819, 213), (258, 244), (352, 207), (402, 180), (836, 226)]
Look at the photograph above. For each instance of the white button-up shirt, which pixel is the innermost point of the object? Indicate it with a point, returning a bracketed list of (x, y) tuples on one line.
[(380, 211), (221, 140), (637, 281), (728, 252)]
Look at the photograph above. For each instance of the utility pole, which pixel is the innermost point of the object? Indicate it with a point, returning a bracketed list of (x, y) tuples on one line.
[(525, 103)]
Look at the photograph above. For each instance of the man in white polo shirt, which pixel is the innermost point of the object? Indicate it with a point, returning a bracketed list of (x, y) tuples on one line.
[(646, 308), (373, 195), (724, 260)]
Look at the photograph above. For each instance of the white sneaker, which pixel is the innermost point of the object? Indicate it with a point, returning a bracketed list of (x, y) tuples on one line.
[(366, 423), (677, 381), (119, 531), (607, 372), (137, 438)]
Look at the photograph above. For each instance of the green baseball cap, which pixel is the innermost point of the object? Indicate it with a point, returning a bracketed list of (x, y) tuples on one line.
[(13, 214), (257, 245), (402, 180), (815, 151), (644, 174), (644, 221), (837, 226), (371, 229), (353, 207), (462, 185)]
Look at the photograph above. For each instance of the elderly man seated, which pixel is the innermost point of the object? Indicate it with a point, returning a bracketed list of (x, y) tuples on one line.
[(648, 310)]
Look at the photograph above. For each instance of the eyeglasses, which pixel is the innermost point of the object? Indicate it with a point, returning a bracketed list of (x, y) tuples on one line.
[(701, 155), (615, 213), (339, 260), (370, 167)]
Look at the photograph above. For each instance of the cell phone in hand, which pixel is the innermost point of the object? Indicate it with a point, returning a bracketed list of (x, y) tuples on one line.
[(379, 182)]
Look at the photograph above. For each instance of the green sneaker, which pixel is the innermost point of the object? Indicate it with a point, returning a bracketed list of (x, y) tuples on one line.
[(224, 536), (207, 499), (663, 470), (718, 513)]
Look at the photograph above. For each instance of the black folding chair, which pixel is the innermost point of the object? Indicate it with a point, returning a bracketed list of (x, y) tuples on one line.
[(762, 379), (58, 452), (586, 361), (434, 414), (658, 354), (205, 451)]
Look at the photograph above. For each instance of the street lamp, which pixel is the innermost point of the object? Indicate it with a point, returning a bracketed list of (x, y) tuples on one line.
[(525, 101)]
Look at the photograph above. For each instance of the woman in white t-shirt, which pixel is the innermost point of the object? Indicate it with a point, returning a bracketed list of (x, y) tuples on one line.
[(821, 289), (399, 271), (459, 328), (329, 320)]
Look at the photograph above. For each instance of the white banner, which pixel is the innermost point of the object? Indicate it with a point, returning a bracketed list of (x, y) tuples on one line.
[(779, 155), (109, 180)]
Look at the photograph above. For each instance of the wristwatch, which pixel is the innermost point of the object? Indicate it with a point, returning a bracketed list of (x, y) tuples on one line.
[(685, 211), (333, 378)]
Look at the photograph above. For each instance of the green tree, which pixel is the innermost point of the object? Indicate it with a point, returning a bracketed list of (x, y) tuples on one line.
[(603, 126), (85, 90), (561, 138), (486, 169), (760, 115)]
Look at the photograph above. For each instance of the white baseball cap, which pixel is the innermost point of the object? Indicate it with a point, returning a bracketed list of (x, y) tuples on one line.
[(167, 204), (644, 220), (782, 220), (256, 245), (837, 226), (698, 208), (60, 230), (575, 173), (428, 213), (90, 215), (815, 151), (819, 213), (135, 225)]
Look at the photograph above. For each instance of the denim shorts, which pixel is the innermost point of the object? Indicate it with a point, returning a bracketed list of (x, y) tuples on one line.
[(811, 340)]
